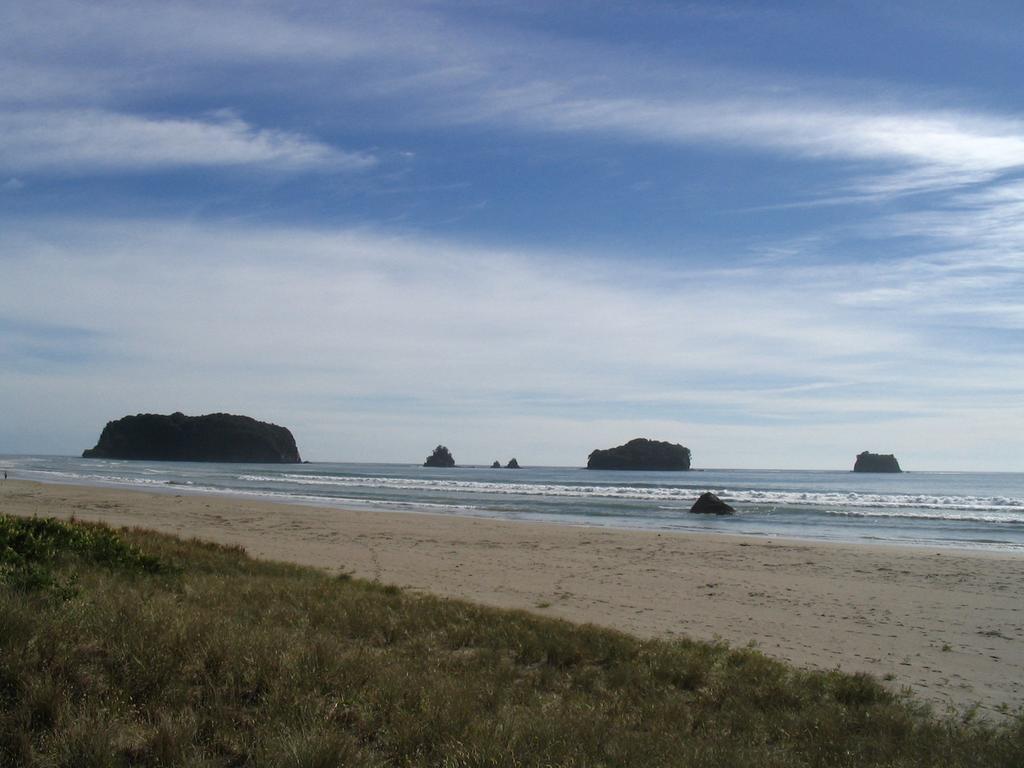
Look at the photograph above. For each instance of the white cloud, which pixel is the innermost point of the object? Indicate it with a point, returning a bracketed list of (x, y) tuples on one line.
[(392, 311), (89, 140), (365, 326)]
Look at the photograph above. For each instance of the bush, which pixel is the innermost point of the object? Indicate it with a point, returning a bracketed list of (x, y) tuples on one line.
[(229, 661)]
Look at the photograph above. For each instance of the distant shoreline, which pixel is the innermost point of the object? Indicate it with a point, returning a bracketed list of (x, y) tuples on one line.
[(527, 465)]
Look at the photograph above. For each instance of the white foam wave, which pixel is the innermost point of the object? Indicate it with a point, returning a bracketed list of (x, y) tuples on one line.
[(957, 515), (89, 477), (504, 498), (980, 508)]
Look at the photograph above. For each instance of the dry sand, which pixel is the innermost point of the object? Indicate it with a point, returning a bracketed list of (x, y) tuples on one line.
[(947, 624)]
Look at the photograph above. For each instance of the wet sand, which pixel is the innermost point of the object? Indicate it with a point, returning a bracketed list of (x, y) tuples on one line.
[(947, 624)]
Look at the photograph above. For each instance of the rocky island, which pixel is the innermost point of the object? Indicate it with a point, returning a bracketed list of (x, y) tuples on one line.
[(441, 457), (642, 454), (876, 462), (212, 437)]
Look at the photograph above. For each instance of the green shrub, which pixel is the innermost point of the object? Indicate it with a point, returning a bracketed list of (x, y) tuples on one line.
[(228, 661)]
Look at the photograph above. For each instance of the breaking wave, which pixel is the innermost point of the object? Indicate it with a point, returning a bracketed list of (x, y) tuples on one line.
[(951, 507)]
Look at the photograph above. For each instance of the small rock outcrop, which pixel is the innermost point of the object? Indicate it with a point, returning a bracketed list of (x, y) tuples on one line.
[(496, 464), (641, 454), (212, 437), (709, 504), (876, 462), (441, 457), (513, 464)]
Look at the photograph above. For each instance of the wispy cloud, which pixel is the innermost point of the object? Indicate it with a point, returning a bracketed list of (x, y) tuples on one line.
[(917, 151), (982, 226), (70, 142), (35, 345), (105, 30), (966, 274), (494, 77), (498, 77)]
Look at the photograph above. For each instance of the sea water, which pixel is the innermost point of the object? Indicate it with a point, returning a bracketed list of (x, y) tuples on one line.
[(935, 509)]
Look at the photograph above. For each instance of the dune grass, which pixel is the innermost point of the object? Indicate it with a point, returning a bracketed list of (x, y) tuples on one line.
[(133, 648)]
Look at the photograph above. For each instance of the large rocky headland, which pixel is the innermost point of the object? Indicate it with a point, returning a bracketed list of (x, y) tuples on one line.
[(212, 437), (641, 454)]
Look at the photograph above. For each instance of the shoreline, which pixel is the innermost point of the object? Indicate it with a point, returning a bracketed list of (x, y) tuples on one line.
[(834, 536), (945, 623)]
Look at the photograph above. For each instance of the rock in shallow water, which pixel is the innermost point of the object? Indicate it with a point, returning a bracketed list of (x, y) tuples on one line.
[(710, 504)]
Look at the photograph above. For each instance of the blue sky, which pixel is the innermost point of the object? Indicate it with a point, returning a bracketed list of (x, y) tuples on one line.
[(778, 233)]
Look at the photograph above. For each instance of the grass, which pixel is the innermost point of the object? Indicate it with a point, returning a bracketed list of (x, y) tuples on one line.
[(132, 648)]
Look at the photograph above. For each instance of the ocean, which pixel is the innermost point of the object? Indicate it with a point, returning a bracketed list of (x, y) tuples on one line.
[(975, 510)]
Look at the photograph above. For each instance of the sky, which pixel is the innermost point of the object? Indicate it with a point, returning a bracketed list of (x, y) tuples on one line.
[(777, 233)]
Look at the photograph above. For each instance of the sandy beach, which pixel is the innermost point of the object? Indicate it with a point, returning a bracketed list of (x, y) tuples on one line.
[(949, 625)]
